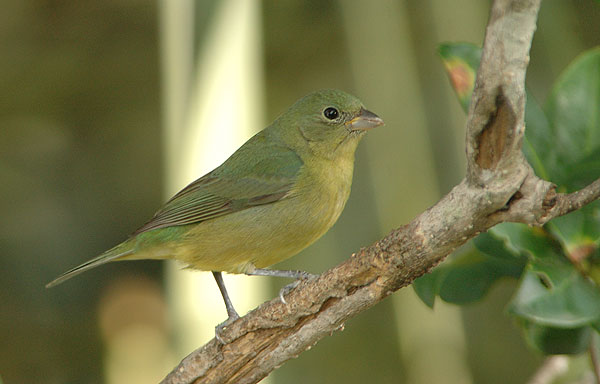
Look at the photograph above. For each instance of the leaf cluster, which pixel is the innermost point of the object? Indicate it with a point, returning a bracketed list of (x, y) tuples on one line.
[(557, 300)]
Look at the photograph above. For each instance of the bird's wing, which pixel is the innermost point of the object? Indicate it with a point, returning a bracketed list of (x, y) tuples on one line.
[(241, 182)]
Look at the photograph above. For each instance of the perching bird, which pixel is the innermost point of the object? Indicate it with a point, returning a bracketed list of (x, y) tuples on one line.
[(277, 194)]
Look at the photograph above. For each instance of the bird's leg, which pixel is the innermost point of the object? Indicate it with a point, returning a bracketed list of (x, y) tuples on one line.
[(298, 275), (280, 273), (232, 315)]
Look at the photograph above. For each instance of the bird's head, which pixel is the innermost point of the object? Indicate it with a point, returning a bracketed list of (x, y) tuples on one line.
[(329, 123)]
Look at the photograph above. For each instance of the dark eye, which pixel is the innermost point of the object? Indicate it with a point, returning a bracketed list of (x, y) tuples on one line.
[(331, 113)]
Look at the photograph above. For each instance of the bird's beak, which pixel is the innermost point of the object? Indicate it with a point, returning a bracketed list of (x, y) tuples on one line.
[(364, 121)]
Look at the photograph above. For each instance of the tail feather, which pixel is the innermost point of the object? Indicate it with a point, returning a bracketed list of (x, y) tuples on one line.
[(112, 254)]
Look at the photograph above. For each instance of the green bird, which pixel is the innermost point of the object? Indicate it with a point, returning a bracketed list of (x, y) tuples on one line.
[(276, 195)]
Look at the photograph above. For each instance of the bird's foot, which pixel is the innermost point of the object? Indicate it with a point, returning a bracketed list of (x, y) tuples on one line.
[(223, 326), (290, 287)]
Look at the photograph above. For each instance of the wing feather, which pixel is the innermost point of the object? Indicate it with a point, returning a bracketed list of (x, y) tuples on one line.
[(236, 185)]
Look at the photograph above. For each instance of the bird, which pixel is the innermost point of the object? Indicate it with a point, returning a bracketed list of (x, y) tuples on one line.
[(278, 193)]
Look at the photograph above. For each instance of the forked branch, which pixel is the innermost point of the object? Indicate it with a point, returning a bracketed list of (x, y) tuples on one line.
[(500, 186)]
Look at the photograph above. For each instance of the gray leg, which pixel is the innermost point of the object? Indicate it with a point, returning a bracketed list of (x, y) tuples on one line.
[(298, 275), (280, 273), (232, 315)]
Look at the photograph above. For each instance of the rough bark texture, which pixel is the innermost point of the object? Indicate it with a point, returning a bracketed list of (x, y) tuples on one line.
[(500, 186)]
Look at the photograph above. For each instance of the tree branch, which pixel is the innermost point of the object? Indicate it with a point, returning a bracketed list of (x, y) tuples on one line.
[(500, 186), (567, 203)]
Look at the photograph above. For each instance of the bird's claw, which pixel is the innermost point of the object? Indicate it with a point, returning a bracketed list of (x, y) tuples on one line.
[(288, 288), (221, 327)]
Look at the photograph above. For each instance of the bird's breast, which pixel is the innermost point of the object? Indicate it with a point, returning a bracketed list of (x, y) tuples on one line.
[(325, 188), (267, 234)]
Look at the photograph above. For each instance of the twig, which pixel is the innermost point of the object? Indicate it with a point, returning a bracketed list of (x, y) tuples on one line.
[(567, 203)]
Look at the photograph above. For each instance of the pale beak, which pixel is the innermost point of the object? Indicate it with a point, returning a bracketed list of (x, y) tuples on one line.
[(364, 121)]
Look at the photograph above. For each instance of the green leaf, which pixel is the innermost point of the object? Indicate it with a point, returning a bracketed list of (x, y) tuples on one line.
[(466, 277), (579, 234), (558, 341), (573, 110), (552, 292), (461, 61), (471, 276), (578, 229), (582, 173), (538, 141), (522, 239), (496, 246), (426, 287), (556, 295)]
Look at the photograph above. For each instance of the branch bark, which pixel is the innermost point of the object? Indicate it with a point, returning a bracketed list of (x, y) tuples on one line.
[(499, 186)]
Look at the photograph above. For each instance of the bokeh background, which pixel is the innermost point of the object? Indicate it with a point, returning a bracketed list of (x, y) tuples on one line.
[(107, 108)]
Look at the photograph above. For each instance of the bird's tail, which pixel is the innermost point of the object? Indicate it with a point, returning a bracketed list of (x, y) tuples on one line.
[(121, 250)]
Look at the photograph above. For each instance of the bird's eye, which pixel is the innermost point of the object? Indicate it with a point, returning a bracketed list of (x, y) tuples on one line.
[(331, 113)]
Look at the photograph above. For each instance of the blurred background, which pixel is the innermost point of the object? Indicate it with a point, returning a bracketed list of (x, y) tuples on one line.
[(108, 108)]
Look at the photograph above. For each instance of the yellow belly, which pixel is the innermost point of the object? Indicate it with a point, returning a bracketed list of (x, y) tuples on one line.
[(261, 236)]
